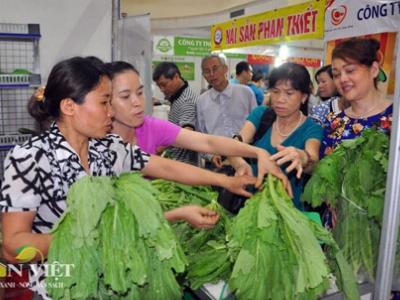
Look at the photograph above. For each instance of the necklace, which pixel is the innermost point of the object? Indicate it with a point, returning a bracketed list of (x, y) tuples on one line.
[(365, 114), (276, 125)]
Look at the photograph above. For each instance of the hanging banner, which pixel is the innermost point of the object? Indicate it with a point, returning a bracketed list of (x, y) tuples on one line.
[(307, 62), (260, 59), (297, 22), (235, 55), (186, 46), (347, 18), (387, 58)]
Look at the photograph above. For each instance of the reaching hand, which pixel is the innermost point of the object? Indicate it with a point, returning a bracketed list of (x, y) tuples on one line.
[(237, 184), (265, 165), (242, 168), (289, 154), (199, 217)]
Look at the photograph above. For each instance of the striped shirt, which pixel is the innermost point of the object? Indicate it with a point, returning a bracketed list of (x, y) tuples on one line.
[(183, 114)]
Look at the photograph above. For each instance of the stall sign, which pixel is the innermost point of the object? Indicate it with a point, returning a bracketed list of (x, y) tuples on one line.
[(163, 45), (260, 59), (186, 68), (296, 22), (347, 18), (186, 46), (236, 55), (307, 62)]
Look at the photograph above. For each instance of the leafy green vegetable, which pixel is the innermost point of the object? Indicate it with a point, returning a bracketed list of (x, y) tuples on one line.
[(118, 241), (352, 180), (276, 251), (172, 194), (206, 250)]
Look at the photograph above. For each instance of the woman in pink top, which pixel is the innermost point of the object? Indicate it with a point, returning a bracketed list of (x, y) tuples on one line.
[(150, 133)]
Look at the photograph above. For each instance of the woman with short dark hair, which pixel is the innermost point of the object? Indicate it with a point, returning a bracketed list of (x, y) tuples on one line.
[(285, 131)]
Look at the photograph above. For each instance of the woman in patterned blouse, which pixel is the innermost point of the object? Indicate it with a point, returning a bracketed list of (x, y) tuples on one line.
[(356, 72), (39, 173), (355, 68)]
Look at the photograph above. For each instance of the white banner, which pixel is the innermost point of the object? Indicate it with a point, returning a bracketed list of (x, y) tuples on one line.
[(347, 18)]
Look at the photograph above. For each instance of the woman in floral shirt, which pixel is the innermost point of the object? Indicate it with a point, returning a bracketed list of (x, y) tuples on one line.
[(356, 71)]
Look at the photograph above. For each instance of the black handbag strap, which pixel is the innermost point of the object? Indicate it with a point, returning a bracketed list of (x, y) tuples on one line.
[(267, 119)]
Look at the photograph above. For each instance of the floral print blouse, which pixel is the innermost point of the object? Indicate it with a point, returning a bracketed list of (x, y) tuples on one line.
[(342, 127)]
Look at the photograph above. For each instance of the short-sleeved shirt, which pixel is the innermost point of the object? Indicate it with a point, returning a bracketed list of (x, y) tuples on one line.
[(306, 131), (39, 173), (320, 111), (155, 133), (258, 92), (342, 127), (183, 114)]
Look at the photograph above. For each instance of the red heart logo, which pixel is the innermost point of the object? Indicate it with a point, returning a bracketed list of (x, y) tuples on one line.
[(338, 15)]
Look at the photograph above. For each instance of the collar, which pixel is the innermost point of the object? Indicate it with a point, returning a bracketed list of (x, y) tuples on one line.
[(179, 92), (64, 152), (227, 92), (59, 144)]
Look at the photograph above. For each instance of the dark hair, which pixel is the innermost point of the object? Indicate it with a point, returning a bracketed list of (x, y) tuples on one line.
[(298, 77), (362, 51), (118, 67), (71, 78), (166, 69), (257, 76), (242, 66), (324, 69)]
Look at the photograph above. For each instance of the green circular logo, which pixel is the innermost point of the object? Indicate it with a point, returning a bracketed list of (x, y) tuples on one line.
[(164, 45)]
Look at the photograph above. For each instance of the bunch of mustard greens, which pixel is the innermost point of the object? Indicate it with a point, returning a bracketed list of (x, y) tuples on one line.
[(116, 239), (270, 250), (277, 253), (352, 180), (206, 250)]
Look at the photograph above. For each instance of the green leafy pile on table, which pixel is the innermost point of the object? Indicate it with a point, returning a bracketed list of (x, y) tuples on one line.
[(206, 250), (116, 239)]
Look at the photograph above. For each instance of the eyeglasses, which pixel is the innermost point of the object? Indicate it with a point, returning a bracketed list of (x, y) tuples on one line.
[(213, 70)]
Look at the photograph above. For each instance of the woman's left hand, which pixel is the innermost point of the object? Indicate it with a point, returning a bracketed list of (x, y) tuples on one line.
[(237, 184), (199, 217), (265, 165), (289, 154)]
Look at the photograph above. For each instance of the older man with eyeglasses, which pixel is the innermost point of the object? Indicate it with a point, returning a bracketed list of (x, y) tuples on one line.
[(223, 109)]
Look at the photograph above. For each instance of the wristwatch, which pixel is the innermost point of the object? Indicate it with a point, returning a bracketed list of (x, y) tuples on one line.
[(238, 137)]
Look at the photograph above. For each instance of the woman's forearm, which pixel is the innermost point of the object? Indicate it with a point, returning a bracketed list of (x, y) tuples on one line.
[(38, 241), (184, 173), (215, 144), (17, 232)]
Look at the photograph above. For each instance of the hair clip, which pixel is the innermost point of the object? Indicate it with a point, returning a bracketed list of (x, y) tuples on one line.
[(39, 93)]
